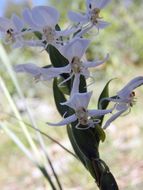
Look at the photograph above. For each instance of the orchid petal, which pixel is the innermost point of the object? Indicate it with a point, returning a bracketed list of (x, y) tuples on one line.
[(52, 72), (42, 73), (95, 63), (75, 87), (78, 100), (5, 24), (66, 32), (98, 112), (65, 121), (75, 48), (112, 118), (102, 24), (18, 23), (77, 17), (27, 16), (122, 106), (100, 4), (45, 15), (133, 84), (28, 68)]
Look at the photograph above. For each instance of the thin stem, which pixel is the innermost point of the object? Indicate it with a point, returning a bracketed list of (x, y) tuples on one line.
[(54, 173), (47, 176), (22, 147), (46, 135), (7, 64)]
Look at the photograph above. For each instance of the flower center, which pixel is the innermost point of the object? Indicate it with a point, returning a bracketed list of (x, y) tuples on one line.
[(76, 64), (82, 116), (132, 98), (49, 34), (10, 35), (95, 15)]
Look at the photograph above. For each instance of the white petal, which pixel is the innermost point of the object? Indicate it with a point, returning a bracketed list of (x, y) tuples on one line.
[(133, 84), (100, 4), (122, 106), (42, 73), (28, 68), (53, 72), (45, 16), (75, 87), (112, 118), (77, 17), (66, 32), (5, 24), (102, 24), (95, 63), (78, 100), (65, 121), (18, 23), (27, 15), (98, 112), (75, 48)]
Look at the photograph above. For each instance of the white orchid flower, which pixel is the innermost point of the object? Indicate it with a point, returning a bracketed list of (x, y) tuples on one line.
[(11, 30), (40, 73), (92, 16), (79, 103), (73, 52), (124, 99), (44, 19)]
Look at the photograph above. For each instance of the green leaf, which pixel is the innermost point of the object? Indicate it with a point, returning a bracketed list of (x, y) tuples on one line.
[(82, 85), (86, 141), (57, 59), (59, 98), (104, 94), (85, 161), (75, 146), (102, 104), (108, 182)]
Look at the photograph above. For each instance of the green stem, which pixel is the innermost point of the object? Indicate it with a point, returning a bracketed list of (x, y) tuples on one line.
[(47, 176)]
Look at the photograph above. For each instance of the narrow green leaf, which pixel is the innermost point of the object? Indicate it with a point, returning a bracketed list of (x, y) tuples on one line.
[(104, 94), (75, 146), (82, 85), (57, 59), (85, 161), (86, 141), (102, 104), (47, 176), (108, 182), (59, 98)]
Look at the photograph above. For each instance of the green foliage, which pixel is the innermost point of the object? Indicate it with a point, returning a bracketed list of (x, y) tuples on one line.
[(108, 182)]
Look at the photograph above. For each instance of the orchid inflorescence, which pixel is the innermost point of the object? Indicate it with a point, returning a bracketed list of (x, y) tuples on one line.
[(67, 49), (44, 19)]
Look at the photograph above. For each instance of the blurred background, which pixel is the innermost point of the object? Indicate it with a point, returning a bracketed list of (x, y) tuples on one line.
[(122, 149)]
